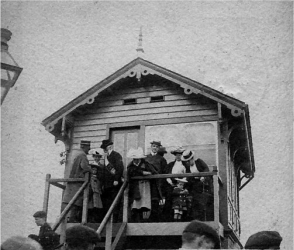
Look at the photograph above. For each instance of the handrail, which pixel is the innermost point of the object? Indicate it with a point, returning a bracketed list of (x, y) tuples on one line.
[(113, 205), (163, 176), (72, 201)]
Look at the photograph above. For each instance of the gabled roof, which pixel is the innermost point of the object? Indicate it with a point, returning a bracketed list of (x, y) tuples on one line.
[(139, 67)]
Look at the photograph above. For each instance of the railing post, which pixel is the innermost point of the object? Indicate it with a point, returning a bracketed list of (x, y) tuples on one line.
[(85, 200), (216, 199), (46, 194), (108, 240)]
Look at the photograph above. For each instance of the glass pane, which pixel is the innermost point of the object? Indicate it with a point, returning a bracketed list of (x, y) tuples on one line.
[(132, 142), (200, 137)]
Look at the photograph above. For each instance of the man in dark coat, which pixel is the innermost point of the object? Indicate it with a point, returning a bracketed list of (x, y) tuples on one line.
[(47, 238), (79, 165), (264, 240), (198, 187), (159, 164), (112, 176)]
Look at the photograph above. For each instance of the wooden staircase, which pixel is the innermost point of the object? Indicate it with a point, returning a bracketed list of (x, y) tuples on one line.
[(127, 235)]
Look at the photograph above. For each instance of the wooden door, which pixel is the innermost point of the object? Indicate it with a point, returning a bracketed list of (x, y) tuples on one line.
[(124, 139)]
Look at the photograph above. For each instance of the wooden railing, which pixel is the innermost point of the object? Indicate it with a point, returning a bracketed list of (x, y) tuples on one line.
[(55, 182), (107, 222)]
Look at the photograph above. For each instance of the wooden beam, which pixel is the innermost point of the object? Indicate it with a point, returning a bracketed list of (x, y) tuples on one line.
[(67, 180), (85, 200), (58, 185), (164, 176), (120, 236), (46, 194), (108, 240)]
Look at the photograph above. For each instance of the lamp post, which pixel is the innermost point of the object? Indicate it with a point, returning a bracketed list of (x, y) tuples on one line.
[(10, 70)]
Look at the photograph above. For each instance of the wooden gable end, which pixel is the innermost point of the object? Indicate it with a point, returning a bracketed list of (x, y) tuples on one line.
[(152, 100)]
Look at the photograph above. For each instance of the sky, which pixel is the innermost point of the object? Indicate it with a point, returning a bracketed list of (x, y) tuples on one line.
[(242, 48)]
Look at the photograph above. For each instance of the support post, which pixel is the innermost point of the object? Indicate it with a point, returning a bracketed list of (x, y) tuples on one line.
[(108, 240), (85, 200), (46, 194), (216, 199)]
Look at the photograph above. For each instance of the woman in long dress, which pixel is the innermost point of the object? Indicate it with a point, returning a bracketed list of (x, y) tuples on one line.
[(140, 191)]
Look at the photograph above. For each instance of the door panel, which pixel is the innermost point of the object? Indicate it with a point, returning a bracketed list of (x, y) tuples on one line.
[(123, 140)]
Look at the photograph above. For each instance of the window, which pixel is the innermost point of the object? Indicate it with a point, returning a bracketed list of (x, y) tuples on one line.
[(130, 101), (159, 98)]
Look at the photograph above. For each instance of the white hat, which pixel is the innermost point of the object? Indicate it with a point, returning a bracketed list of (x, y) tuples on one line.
[(136, 153), (181, 179), (178, 150), (98, 151), (187, 155)]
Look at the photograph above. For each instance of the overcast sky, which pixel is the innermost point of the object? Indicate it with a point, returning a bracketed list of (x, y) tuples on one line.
[(243, 49)]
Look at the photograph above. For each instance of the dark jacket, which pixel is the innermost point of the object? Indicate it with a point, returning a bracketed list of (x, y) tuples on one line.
[(47, 238), (194, 184), (157, 161), (133, 171), (113, 171), (179, 198), (80, 165)]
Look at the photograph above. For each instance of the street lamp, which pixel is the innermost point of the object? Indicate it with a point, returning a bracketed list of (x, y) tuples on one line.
[(10, 71)]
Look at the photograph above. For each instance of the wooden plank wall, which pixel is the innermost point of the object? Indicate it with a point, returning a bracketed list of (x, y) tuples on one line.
[(109, 109)]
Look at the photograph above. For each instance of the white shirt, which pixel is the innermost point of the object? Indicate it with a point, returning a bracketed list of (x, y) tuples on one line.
[(178, 168)]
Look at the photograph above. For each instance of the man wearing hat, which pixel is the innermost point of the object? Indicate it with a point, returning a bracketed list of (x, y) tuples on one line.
[(174, 167), (47, 238), (112, 176), (81, 238), (198, 187), (264, 240), (159, 164), (78, 165), (198, 235)]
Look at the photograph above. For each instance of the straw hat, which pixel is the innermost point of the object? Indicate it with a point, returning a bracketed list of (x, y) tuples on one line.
[(181, 180), (136, 153), (98, 151), (187, 155), (178, 150)]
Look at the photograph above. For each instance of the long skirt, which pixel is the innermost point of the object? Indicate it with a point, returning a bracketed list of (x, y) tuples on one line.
[(145, 201)]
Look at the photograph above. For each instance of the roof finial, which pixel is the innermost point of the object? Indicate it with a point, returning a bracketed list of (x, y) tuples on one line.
[(140, 49)]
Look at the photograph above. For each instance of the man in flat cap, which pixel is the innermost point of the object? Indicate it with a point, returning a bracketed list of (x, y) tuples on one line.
[(159, 163), (81, 238), (264, 240), (47, 238), (198, 235), (112, 176), (78, 165)]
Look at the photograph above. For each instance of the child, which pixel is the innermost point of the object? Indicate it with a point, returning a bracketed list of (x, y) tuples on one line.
[(179, 201)]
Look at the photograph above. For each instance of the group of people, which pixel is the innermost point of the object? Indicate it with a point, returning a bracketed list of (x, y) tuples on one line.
[(196, 235), (184, 199), (105, 182), (172, 199)]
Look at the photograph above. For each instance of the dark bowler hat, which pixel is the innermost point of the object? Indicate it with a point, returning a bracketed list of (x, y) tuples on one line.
[(198, 227), (106, 143), (85, 143), (81, 233), (158, 143), (264, 240), (40, 214)]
